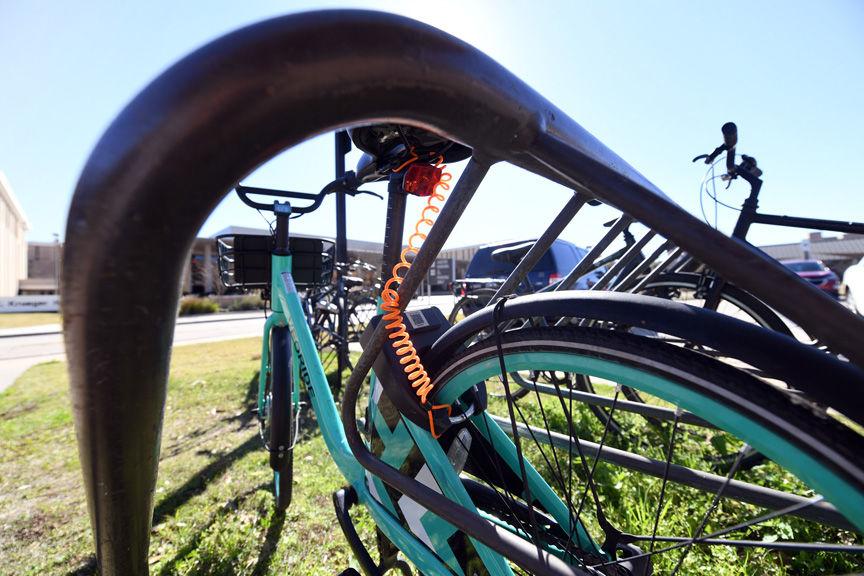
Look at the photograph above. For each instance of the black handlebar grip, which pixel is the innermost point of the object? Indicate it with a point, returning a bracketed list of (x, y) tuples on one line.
[(730, 134)]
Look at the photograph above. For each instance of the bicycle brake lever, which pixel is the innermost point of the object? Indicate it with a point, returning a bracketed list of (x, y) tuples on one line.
[(700, 157), (359, 192)]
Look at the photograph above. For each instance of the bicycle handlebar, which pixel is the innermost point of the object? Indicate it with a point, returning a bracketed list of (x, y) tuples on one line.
[(730, 135), (730, 140), (347, 184)]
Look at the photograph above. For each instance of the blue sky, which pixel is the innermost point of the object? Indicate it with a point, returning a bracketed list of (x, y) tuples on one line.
[(653, 80)]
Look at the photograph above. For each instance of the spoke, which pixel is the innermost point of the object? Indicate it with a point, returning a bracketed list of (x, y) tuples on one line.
[(665, 477), (495, 463), (560, 475), (499, 306), (711, 509), (780, 545), (590, 481), (574, 520), (713, 536)]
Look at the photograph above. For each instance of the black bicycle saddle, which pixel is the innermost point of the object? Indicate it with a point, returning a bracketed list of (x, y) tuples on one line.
[(395, 141)]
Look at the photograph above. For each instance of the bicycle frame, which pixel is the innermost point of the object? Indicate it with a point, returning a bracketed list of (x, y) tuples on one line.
[(288, 311), (750, 215)]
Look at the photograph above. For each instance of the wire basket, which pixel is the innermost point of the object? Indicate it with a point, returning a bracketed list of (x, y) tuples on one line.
[(244, 260)]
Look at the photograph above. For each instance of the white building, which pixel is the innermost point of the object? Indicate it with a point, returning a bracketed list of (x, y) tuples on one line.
[(13, 246)]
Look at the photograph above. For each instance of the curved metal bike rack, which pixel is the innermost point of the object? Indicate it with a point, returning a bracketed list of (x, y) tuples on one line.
[(212, 118)]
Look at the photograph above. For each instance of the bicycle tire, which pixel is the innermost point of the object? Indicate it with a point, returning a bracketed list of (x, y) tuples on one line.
[(794, 434), (359, 314), (281, 416), (470, 303), (752, 308)]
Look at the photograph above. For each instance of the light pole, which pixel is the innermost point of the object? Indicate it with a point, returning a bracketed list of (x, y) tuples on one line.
[(56, 263)]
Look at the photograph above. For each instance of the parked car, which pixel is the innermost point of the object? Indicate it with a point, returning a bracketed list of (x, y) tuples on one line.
[(815, 272), (493, 263), (853, 284)]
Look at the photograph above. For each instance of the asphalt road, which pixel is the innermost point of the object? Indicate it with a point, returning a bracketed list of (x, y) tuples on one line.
[(21, 348)]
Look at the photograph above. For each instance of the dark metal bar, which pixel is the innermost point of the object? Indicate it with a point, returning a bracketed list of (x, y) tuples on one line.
[(640, 408), (394, 226), (790, 546), (812, 223), (622, 262), (736, 261), (658, 270), (587, 263), (343, 146), (705, 481), (628, 280), (343, 500), (541, 246), (688, 265)]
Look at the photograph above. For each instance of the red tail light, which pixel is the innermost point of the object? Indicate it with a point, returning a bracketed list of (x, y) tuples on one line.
[(421, 179)]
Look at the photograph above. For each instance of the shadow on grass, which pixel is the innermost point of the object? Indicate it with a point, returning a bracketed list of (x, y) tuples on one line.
[(88, 568), (229, 507), (271, 541), (198, 483)]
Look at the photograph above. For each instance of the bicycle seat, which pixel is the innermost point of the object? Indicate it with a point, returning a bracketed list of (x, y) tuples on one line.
[(388, 146)]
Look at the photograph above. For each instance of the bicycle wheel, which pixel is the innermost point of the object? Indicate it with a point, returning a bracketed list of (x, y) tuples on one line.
[(652, 498), (279, 416), (359, 315), (691, 289), (469, 303)]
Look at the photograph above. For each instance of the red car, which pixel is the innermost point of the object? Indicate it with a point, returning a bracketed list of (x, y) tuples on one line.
[(815, 272)]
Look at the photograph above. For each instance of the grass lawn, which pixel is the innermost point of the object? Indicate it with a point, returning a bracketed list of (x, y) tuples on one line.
[(213, 511), (22, 319), (213, 506)]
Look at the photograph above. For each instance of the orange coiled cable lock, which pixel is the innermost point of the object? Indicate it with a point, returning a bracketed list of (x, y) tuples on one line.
[(424, 181)]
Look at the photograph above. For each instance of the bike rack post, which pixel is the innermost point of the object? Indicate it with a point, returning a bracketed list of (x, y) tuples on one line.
[(343, 146), (658, 270), (541, 246), (587, 262), (625, 283), (622, 262)]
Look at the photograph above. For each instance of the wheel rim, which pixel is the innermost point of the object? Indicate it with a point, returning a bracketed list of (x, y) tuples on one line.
[(813, 472)]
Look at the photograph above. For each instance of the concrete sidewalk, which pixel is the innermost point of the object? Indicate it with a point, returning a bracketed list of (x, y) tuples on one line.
[(46, 329), (21, 348)]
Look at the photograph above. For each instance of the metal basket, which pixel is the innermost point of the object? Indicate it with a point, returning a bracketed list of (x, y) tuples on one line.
[(244, 260)]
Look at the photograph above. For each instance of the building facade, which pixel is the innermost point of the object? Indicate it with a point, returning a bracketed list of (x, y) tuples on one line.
[(44, 268), (13, 244), (838, 253)]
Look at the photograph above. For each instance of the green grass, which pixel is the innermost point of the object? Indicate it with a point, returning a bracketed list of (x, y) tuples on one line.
[(629, 500), (213, 505), (213, 509), (24, 319)]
